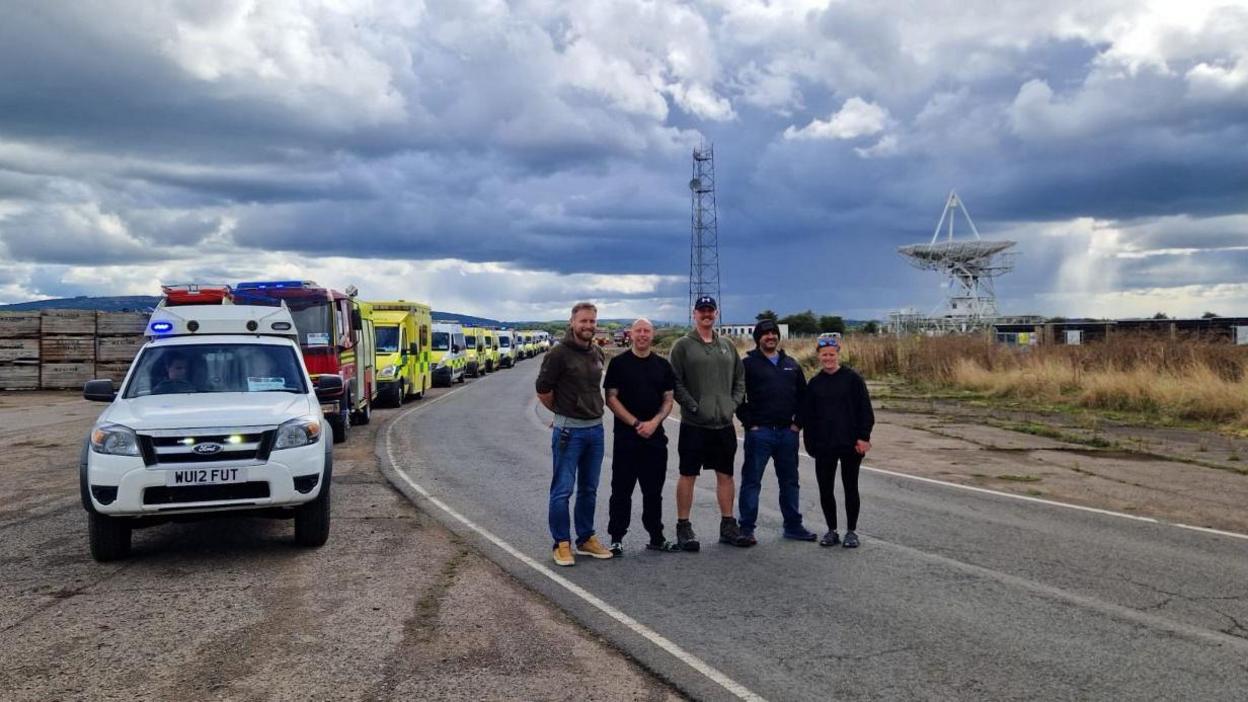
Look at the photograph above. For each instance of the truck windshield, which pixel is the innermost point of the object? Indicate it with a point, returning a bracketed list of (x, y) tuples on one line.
[(441, 341), (387, 339), (209, 368), (504, 341), (313, 324), (470, 342)]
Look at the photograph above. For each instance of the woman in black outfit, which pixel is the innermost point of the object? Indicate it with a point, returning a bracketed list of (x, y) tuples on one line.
[(837, 418)]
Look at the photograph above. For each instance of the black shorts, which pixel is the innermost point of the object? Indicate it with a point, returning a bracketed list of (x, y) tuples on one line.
[(712, 449)]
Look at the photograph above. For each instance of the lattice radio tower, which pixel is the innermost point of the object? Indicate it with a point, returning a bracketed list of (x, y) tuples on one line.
[(704, 234)]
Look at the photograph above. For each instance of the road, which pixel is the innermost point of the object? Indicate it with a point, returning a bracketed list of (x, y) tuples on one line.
[(394, 607), (955, 594)]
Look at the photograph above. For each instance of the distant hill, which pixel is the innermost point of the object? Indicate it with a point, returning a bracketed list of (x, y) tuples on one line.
[(129, 303)]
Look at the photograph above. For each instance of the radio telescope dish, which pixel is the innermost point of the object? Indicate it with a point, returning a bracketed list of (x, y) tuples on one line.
[(970, 265)]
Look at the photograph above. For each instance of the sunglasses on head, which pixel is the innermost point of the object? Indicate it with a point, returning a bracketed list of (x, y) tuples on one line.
[(829, 341)]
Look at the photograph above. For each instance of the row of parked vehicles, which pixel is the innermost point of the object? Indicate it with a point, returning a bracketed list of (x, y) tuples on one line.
[(236, 399)]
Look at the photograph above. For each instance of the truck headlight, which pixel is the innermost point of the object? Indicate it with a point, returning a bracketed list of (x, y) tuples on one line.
[(115, 440), (298, 432), (389, 371), (440, 364)]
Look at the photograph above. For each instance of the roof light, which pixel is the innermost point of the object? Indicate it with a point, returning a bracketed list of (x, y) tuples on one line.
[(162, 327), (274, 284)]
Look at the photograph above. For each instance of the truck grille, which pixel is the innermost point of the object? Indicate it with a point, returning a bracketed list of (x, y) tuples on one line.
[(172, 448)]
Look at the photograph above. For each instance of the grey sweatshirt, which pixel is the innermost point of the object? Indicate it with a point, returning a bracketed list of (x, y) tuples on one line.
[(710, 380)]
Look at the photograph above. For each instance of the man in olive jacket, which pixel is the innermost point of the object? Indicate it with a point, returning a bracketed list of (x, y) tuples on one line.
[(569, 384), (710, 383)]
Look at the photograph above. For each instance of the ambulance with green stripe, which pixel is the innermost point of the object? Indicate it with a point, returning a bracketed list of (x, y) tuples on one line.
[(448, 357), (491, 351), (474, 349), (403, 331)]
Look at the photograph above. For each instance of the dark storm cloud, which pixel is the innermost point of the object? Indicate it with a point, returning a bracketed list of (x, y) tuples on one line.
[(559, 140)]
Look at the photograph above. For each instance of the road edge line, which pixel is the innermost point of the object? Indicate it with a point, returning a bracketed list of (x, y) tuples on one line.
[(713, 674)]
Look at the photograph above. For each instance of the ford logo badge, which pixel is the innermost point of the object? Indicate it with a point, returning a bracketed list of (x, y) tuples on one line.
[(207, 449)]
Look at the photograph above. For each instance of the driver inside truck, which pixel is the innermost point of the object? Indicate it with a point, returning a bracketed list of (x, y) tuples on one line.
[(176, 376)]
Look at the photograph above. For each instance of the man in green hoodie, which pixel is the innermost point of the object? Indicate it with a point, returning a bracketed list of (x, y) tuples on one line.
[(710, 383)]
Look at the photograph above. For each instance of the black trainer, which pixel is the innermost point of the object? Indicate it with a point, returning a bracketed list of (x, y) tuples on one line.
[(851, 540), (662, 545), (730, 533), (616, 548), (830, 539), (685, 538), (803, 535)]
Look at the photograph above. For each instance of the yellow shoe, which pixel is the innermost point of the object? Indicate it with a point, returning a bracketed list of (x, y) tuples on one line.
[(563, 554), (593, 547)]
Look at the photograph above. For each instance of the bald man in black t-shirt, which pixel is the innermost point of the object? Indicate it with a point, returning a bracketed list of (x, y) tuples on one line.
[(640, 386)]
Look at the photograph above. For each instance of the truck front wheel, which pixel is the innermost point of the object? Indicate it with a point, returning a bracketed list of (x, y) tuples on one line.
[(312, 520), (110, 537)]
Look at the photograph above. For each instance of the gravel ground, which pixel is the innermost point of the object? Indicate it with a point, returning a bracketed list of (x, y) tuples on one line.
[(393, 607)]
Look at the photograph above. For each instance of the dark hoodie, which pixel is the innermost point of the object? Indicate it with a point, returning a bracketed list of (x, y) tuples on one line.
[(836, 412), (574, 373)]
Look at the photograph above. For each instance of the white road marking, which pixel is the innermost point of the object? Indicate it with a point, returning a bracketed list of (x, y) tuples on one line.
[(732, 686), (1027, 498)]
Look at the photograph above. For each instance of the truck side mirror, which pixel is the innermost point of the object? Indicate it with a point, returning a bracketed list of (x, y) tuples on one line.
[(329, 387), (99, 390), (454, 348), (357, 320), (415, 349)]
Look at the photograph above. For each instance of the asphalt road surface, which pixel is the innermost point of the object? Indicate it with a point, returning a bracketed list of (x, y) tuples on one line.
[(955, 594)]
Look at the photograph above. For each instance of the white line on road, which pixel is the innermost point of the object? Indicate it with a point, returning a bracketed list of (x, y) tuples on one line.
[(736, 688), (1026, 498)]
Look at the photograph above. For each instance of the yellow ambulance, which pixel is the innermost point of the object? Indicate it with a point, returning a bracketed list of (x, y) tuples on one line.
[(491, 351), (475, 351), (402, 331)]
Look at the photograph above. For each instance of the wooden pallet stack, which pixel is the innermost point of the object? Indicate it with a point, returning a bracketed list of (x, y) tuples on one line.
[(118, 338), (19, 350), (66, 349)]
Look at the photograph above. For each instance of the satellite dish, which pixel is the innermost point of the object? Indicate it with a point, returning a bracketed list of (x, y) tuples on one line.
[(695, 185)]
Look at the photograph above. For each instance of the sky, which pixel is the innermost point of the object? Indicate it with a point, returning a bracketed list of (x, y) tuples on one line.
[(508, 159)]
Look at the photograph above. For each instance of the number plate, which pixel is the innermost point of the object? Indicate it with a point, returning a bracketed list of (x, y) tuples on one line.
[(205, 476)]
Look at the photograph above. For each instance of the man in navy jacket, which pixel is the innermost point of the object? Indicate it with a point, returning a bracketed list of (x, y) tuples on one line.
[(774, 390)]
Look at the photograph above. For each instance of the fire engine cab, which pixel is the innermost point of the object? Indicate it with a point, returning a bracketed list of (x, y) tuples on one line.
[(217, 414)]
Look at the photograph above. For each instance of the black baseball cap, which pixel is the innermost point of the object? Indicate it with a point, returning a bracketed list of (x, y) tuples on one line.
[(705, 301), (764, 326)]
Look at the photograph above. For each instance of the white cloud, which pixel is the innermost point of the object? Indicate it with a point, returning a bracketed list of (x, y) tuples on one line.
[(856, 118)]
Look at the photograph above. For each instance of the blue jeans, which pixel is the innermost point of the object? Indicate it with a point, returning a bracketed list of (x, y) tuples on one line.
[(577, 455), (780, 446)]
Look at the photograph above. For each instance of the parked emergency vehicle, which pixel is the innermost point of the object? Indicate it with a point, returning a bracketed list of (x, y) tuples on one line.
[(474, 349), (448, 356), (331, 333), (491, 351), (217, 414), (506, 348), (403, 330)]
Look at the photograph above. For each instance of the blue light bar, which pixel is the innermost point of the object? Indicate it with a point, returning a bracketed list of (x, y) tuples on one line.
[(271, 285), (162, 327)]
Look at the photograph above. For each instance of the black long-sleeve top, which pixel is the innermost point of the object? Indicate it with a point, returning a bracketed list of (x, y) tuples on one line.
[(836, 412)]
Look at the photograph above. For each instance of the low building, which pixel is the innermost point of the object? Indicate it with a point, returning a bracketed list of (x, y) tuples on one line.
[(747, 330), (1081, 331)]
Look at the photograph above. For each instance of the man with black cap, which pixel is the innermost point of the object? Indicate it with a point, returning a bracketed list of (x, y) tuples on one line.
[(774, 389), (710, 383)]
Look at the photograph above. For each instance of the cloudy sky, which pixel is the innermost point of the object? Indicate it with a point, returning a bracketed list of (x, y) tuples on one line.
[(509, 158)]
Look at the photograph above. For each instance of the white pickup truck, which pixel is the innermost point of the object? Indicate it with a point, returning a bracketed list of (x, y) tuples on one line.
[(217, 414)]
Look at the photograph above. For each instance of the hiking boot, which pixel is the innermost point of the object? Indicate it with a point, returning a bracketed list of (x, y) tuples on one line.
[(563, 554), (685, 538), (830, 539), (593, 548), (730, 533), (801, 534), (662, 545), (851, 540), (616, 549)]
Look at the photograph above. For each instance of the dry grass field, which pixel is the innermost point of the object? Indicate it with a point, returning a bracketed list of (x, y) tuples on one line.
[(1153, 380)]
